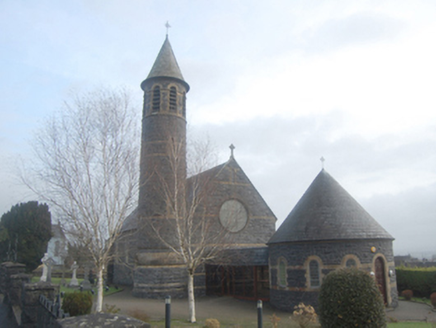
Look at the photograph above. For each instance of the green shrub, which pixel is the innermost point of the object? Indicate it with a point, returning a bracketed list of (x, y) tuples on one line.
[(422, 281), (407, 294), (350, 298), (77, 303)]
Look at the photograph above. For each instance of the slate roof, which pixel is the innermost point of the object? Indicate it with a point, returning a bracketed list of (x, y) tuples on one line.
[(249, 256), (213, 173), (166, 65), (327, 211)]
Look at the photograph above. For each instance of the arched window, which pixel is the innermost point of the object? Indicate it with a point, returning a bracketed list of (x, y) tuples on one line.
[(184, 104), (314, 274), (282, 273), (350, 263), (156, 99), (173, 99)]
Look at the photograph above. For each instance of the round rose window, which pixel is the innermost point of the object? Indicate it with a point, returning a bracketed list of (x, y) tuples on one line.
[(233, 215)]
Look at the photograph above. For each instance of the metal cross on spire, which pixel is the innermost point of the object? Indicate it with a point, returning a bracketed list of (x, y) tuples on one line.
[(322, 159), (231, 150), (167, 25)]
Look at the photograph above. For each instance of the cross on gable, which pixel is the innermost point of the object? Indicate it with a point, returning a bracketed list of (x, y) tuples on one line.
[(231, 150), (167, 25)]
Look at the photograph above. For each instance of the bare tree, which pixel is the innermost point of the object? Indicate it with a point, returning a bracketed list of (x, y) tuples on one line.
[(188, 230), (86, 165)]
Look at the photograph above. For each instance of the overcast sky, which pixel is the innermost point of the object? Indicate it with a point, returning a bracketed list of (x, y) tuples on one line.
[(285, 81)]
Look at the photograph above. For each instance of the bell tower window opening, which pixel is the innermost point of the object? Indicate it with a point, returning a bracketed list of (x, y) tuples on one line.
[(173, 99), (184, 105), (156, 99)]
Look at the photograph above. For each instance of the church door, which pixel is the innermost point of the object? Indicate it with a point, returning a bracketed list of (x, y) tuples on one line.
[(380, 277)]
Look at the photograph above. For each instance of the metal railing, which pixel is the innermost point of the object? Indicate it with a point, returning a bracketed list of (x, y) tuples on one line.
[(49, 311)]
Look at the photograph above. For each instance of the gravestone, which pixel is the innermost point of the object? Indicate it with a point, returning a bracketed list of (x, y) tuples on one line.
[(49, 263), (74, 282), (86, 285), (44, 268)]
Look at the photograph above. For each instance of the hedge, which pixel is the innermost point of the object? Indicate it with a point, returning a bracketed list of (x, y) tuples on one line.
[(422, 281)]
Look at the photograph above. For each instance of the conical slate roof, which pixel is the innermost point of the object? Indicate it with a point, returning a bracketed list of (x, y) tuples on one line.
[(327, 211), (165, 64)]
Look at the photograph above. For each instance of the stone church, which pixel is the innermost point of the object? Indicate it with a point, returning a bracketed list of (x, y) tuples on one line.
[(325, 231)]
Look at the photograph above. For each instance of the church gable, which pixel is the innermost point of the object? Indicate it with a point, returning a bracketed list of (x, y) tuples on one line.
[(238, 207)]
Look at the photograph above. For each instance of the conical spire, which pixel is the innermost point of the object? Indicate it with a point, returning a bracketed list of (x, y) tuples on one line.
[(327, 211), (166, 64)]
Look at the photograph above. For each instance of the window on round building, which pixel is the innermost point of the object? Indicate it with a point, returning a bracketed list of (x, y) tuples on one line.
[(314, 274), (282, 273), (173, 99), (155, 106), (184, 105), (351, 263)]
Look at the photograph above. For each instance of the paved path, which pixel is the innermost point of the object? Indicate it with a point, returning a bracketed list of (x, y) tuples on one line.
[(410, 311), (234, 309)]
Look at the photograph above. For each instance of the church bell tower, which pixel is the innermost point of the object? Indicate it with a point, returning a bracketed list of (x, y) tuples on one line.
[(163, 144), (162, 172)]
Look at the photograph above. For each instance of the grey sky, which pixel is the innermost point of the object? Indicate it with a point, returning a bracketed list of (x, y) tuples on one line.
[(285, 81)]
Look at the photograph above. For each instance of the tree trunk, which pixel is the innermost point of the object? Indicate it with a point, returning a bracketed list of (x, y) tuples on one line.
[(191, 297), (99, 304)]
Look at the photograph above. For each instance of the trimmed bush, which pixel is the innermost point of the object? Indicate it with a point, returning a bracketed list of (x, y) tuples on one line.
[(407, 294), (350, 298), (422, 281), (433, 299), (77, 303)]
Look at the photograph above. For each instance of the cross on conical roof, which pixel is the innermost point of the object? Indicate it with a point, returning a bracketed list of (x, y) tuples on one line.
[(327, 211)]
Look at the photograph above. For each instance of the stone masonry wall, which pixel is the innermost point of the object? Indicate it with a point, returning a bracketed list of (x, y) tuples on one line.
[(332, 256), (20, 293), (106, 320)]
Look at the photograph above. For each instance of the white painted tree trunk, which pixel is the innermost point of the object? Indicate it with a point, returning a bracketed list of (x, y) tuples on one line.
[(99, 304), (191, 297)]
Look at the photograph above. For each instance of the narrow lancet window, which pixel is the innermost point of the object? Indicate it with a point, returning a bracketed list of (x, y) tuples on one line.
[(282, 273), (156, 99), (184, 105), (173, 99), (314, 274)]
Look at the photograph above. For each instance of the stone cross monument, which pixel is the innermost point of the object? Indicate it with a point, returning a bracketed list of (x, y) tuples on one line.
[(74, 282)]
